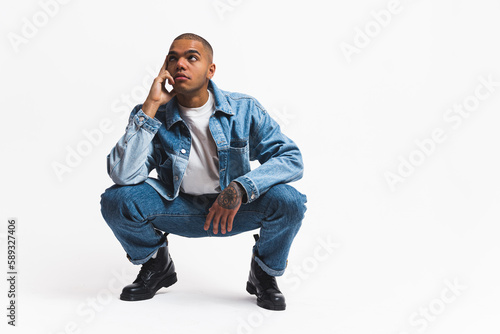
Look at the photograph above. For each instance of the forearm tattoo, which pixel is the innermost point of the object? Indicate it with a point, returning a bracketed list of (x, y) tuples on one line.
[(230, 197)]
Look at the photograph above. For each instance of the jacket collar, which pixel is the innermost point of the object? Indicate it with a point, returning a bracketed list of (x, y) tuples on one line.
[(171, 109)]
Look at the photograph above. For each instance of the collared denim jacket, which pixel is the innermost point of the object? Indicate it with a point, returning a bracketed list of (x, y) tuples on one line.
[(242, 130)]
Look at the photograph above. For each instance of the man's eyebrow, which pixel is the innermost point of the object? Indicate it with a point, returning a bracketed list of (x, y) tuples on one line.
[(187, 52)]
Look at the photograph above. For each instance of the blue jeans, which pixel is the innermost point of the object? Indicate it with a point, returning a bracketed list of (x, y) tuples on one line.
[(137, 214)]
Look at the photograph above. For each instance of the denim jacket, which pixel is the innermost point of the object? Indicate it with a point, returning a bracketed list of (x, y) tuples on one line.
[(242, 130)]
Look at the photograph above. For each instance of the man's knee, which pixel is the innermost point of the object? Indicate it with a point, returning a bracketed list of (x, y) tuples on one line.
[(111, 197), (288, 200), (118, 198)]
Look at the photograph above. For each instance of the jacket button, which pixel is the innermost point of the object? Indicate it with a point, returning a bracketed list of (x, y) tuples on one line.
[(141, 118), (253, 196), (183, 151)]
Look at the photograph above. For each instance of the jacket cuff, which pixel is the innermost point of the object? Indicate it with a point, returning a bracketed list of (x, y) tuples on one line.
[(252, 193), (149, 124)]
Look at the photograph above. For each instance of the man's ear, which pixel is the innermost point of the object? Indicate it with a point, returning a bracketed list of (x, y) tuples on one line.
[(211, 71)]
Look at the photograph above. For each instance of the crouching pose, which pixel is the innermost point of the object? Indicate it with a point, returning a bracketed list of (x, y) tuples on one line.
[(200, 140)]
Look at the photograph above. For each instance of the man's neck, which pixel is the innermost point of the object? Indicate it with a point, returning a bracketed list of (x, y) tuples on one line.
[(193, 101)]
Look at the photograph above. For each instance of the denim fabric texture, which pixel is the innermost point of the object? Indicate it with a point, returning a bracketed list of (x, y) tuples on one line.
[(137, 213), (242, 129), (138, 206)]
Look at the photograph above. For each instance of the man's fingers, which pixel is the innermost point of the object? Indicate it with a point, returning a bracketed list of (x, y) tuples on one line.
[(166, 76), (208, 220), (215, 223), (223, 222), (164, 66), (219, 216), (215, 229), (230, 223), (170, 78)]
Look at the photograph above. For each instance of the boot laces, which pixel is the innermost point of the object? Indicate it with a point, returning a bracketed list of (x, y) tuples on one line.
[(148, 269)]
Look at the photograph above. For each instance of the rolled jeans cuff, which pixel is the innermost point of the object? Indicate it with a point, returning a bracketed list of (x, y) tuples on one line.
[(142, 261), (269, 271)]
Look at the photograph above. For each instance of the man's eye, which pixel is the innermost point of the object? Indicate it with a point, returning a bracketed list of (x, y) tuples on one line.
[(192, 58), (171, 58)]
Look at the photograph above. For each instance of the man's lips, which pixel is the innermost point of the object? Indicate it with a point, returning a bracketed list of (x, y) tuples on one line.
[(181, 76)]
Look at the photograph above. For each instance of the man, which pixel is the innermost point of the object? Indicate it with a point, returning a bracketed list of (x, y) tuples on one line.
[(201, 140)]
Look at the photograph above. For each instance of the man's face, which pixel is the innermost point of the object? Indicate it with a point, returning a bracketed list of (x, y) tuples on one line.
[(190, 65)]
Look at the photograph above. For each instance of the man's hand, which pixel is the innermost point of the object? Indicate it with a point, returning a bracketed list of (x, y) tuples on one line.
[(158, 94), (225, 208)]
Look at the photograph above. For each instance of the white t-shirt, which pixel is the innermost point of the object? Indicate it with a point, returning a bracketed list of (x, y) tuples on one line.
[(202, 173)]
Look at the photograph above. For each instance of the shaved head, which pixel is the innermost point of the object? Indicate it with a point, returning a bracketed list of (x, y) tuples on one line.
[(194, 37)]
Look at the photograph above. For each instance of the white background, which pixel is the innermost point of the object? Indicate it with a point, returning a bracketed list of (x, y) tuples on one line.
[(368, 259)]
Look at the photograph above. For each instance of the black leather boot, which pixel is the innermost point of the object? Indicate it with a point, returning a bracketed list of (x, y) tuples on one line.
[(265, 288), (155, 274)]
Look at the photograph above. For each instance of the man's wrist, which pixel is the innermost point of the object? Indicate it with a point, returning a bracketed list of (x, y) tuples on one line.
[(150, 108), (242, 191)]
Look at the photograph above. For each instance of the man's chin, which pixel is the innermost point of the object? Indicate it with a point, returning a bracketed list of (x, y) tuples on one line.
[(181, 88), (187, 91)]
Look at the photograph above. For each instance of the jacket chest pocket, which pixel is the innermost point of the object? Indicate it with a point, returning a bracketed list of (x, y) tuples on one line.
[(238, 159)]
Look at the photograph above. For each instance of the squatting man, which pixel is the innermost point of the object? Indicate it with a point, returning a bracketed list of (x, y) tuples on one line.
[(201, 139)]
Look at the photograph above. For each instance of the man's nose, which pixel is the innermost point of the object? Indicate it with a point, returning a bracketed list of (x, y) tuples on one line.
[(181, 64)]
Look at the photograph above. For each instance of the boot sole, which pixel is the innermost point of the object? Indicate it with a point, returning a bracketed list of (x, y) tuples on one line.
[(168, 281), (264, 303)]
